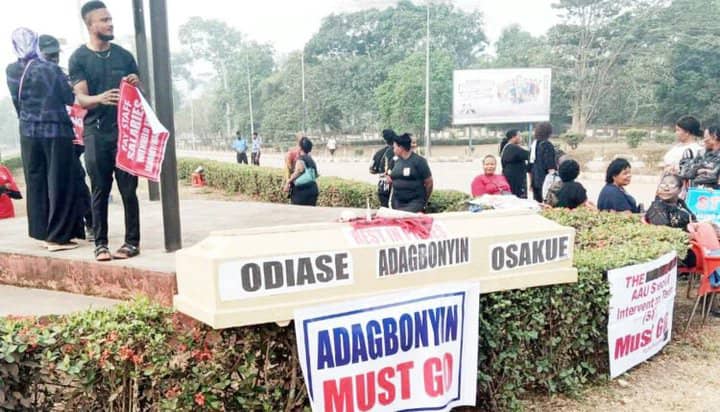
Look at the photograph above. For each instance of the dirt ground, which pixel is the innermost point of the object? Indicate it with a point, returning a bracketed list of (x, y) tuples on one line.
[(684, 377)]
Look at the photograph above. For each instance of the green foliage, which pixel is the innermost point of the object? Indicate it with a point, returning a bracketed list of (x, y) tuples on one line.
[(12, 163), (572, 139), (691, 57), (401, 98), (265, 184), (665, 137), (141, 356), (635, 136)]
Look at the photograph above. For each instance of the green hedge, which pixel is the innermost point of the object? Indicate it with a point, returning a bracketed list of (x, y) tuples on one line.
[(549, 339), (12, 163), (265, 184)]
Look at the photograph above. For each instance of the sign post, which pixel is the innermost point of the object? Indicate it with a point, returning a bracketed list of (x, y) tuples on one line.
[(411, 351), (642, 298)]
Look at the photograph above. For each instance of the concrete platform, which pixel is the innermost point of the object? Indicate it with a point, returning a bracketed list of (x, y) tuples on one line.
[(18, 301), (24, 262)]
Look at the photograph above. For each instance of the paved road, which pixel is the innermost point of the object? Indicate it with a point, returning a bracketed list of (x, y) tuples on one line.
[(447, 173)]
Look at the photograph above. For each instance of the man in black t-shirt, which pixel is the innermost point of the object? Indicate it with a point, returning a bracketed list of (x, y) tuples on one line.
[(96, 70), (382, 163)]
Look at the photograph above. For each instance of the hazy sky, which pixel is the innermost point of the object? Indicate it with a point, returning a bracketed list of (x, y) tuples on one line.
[(287, 24)]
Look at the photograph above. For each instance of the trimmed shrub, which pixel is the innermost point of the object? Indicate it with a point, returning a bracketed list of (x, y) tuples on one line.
[(265, 184), (12, 163), (572, 139), (665, 137), (141, 356), (635, 136)]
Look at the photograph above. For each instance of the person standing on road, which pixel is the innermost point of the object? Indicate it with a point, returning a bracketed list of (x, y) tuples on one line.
[(292, 155), (40, 91), (256, 148), (302, 185), (240, 146), (514, 160), (683, 153), (97, 69), (545, 159), (410, 178), (382, 164), (332, 146)]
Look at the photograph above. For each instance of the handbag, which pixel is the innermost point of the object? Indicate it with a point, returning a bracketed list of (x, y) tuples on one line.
[(307, 177)]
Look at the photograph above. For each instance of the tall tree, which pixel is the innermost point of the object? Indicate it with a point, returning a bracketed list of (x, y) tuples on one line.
[(593, 40), (401, 98), (216, 43), (692, 60)]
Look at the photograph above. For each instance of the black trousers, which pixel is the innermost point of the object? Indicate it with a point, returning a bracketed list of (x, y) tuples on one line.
[(537, 194), (384, 198), (255, 158), (305, 195), (83, 199), (49, 176), (100, 151), (241, 157)]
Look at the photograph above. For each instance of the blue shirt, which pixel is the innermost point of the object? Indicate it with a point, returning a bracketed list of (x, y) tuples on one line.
[(40, 105), (613, 198), (240, 145)]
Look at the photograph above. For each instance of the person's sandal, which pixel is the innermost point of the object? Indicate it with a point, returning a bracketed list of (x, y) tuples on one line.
[(126, 251), (102, 254)]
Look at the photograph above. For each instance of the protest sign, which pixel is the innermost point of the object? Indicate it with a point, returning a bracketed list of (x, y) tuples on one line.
[(141, 136), (641, 311), (77, 117), (415, 350), (705, 203)]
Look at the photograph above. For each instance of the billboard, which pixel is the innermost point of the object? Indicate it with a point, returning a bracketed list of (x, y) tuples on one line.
[(501, 96)]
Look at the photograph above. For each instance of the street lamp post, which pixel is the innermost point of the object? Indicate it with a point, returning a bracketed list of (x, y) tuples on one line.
[(164, 109), (427, 83)]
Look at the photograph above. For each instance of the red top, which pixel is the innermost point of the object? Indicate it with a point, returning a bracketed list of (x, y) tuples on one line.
[(491, 185), (6, 207)]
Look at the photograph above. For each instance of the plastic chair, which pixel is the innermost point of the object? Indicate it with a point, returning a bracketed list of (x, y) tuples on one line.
[(704, 239), (692, 272), (198, 179), (709, 264)]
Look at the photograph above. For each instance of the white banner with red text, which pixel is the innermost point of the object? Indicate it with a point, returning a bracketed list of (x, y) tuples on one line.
[(642, 298), (77, 117), (141, 136), (415, 350)]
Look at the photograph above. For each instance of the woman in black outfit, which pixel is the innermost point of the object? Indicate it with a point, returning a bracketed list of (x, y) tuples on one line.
[(514, 163), (410, 178), (544, 159), (301, 184)]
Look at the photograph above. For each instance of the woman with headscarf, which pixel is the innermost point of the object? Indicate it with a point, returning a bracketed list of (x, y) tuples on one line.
[(40, 91), (410, 178)]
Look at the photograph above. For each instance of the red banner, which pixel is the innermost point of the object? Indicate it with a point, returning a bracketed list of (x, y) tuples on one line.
[(141, 136), (77, 117)]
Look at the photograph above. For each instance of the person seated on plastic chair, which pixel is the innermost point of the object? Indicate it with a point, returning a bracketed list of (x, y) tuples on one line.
[(489, 182), (668, 209)]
